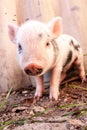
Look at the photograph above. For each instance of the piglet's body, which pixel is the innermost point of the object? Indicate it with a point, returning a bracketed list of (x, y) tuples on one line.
[(42, 47)]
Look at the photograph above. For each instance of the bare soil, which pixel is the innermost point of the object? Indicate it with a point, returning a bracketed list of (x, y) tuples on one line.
[(23, 112)]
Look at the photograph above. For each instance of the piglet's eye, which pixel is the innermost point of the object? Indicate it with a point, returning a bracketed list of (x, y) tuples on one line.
[(19, 48), (47, 44)]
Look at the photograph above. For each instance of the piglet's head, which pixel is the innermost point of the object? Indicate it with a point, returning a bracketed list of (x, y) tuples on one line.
[(35, 46)]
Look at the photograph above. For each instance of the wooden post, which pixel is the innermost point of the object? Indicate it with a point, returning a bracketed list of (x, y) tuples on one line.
[(10, 73), (36, 9), (75, 21)]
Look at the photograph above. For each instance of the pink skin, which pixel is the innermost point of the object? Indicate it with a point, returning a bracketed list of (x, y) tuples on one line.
[(37, 56), (80, 66), (40, 87)]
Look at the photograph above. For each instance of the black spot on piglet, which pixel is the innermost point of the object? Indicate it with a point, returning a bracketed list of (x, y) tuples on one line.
[(76, 47), (69, 58)]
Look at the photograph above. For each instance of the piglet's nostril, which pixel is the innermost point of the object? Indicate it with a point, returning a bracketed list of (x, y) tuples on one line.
[(27, 71), (39, 70)]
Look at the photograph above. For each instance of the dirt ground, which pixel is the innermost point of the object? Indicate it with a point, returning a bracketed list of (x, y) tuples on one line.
[(22, 112)]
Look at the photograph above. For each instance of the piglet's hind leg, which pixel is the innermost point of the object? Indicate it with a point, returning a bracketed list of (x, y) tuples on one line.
[(80, 67)]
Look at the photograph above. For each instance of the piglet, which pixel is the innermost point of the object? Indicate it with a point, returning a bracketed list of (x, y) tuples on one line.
[(41, 48)]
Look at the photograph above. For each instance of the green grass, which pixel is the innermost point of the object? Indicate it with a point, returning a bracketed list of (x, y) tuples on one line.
[(3, 103), (3, 125), (77, 113), (70, 105), (77, 87)]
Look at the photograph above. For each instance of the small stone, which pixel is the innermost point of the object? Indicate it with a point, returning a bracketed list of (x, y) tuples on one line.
[(31, 113), (76, 122), (65, 100), (38, 109), (72, 128), (24, 92), (18, 109), (25, 95)]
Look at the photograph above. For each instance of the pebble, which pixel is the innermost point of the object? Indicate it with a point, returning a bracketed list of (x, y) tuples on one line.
[(38, 109)]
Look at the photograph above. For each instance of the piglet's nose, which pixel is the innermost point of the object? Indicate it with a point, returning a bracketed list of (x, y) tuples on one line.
[(33, 69)]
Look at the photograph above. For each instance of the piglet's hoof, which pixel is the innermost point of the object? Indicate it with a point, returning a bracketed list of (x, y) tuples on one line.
[(54, 96), (84, 79), (38, 96)]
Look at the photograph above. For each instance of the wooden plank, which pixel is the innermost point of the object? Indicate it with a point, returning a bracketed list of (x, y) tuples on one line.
[(75, 21), (10, 73), (36, 9)]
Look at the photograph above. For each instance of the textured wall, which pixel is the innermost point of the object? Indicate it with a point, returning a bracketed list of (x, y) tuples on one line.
[(10, 73), (74, 13)]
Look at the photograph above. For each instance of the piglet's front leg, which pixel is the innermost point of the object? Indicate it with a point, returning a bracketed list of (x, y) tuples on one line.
[(54, 83), (39, 87)]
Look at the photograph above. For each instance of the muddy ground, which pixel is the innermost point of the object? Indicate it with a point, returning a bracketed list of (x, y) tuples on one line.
[(22, 112)]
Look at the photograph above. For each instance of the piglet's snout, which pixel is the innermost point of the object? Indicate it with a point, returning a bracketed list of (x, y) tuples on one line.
[(33, 69)]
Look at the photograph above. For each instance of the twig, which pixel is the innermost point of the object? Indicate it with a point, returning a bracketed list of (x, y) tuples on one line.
[(69, 80)]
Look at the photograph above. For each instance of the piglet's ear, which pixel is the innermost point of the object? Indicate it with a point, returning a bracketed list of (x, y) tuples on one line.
[(55, 26), (12, 30)]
